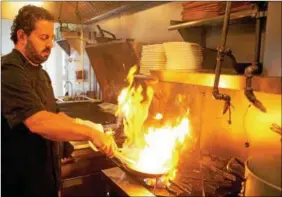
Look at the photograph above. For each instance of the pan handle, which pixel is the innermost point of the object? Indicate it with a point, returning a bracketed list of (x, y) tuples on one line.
[(235, 160), (231, 170), (121, 160), (117, 162)]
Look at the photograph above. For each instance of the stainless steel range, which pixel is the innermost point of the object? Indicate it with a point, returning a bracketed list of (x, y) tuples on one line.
[(208, 176)]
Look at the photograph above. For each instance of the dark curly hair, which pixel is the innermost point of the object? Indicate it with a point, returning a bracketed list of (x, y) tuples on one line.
[(26, 19)]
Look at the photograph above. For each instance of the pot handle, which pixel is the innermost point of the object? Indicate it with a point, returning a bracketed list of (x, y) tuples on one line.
[(234, 159), (242, 192), (230, 169), (117, 162)]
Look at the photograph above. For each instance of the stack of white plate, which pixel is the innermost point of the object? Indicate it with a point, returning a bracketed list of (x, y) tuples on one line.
[(153, 58), (183, 56)]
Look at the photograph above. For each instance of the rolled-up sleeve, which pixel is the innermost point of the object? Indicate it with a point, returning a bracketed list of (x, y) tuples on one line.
[(18, 99)]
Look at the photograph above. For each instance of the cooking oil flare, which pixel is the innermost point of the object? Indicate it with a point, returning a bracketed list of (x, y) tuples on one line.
[(134, 108), (158, 148), (162, 148)]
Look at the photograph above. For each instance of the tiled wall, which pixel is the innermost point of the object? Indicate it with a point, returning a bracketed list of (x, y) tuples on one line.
[(75, 62), (72, 64), (6, 44)]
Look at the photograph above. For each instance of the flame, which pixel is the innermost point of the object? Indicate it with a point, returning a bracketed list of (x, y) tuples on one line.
[(162, 148), (159, 148), (133, 104), (158, 116)]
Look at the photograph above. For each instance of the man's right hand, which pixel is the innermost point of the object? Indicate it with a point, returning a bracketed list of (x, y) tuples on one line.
[(105, 143)]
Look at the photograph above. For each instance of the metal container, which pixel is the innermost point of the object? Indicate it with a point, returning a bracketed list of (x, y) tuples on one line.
[(263, 176)]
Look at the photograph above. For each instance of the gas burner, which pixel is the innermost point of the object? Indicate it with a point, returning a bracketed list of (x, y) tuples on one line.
[(158, 186), (206, 176), (163, 186), (209, 176), (159, 183)]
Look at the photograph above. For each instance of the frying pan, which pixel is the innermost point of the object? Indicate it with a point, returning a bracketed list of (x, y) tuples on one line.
[(129, 165), (124, 162), (131, 169), (136, 172)]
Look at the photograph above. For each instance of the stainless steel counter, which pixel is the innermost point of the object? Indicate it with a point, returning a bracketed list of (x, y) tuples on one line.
[(126, 183)]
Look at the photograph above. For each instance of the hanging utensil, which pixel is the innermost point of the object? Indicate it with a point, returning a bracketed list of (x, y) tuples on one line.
[(276, 128)]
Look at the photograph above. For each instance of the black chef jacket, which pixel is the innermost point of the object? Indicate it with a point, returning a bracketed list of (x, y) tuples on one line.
[(29, 162)]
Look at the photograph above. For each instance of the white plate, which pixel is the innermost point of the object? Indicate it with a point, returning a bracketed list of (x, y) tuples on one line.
[(161, 55), (153, 61)]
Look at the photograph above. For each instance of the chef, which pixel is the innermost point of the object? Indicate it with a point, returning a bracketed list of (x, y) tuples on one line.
[(31, 125)]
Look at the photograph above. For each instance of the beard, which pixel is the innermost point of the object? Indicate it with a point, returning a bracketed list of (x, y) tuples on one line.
[(33, 55)]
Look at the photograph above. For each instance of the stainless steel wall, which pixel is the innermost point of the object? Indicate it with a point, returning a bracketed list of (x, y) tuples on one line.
[(272, 56), (248, 123)]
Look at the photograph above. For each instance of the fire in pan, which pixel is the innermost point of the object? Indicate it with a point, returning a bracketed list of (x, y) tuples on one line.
[(129, 165)]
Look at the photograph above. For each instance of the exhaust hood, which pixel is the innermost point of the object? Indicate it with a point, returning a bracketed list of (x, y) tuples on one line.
[(111, 62), (69, 40)]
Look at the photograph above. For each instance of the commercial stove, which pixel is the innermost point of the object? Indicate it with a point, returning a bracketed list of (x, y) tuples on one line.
[(205, 175)]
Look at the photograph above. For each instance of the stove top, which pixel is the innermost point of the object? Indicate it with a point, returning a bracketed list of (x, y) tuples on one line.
[(208, 176)]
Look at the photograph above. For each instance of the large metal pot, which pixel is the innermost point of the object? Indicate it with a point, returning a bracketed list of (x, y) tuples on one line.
[(263, 176)]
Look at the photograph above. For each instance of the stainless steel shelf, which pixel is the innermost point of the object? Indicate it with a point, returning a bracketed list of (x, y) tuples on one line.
[(270, 85), (219, 19), (119, 41)]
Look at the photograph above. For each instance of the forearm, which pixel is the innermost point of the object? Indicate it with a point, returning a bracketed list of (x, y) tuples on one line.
[(59, 128)]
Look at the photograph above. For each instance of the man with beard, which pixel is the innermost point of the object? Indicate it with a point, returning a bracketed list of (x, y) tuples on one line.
[(30, 124)]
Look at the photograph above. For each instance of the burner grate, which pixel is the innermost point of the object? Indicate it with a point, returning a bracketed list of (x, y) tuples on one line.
[(208, 176)]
